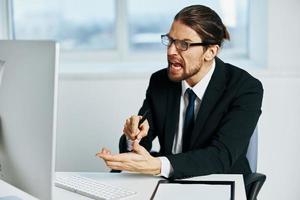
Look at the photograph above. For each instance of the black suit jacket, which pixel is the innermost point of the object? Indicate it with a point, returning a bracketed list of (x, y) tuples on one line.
[(227, 117)]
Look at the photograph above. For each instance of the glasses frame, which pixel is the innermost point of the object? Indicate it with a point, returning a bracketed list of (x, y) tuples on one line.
[(177, 43)]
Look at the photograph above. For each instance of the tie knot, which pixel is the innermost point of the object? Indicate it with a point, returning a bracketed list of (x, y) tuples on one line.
[(191, 95)]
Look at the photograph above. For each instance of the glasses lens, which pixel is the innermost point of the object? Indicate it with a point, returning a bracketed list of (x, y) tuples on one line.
[(181, 44), (165, 40)]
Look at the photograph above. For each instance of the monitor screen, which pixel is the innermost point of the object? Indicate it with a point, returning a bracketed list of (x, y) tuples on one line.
[(28, 93)]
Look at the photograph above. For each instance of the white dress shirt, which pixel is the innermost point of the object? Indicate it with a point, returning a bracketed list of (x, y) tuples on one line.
[(199, 89)]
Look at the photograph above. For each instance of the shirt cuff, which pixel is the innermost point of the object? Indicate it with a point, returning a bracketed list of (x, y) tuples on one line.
[(129, 144), (166, 169)]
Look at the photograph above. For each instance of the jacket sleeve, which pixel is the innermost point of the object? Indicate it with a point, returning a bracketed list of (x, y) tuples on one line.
[(230, 140), (146, 142)]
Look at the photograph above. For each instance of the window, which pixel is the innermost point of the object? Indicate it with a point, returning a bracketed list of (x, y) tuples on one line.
[(149, 19), (77, 26), (122, 27)]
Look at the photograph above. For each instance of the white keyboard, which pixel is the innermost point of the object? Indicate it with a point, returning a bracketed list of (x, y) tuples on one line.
[(91, 188)]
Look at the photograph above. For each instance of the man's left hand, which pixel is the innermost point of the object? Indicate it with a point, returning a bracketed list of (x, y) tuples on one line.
[(139, 160)]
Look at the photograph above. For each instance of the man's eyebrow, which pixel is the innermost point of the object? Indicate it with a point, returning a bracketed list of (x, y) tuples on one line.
[(188, 40), (185, 39)]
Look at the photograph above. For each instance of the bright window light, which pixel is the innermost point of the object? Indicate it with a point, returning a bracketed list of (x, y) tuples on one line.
[(77, 25)]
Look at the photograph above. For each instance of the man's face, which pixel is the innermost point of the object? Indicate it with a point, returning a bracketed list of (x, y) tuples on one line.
[(184, 65)]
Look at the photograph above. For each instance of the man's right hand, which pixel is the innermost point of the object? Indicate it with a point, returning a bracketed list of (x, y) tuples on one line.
[(133, 131)]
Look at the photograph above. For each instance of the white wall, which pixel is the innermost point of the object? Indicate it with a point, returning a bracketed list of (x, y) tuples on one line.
[(92, 111), (279, 145), (91, 116), (279, 138)]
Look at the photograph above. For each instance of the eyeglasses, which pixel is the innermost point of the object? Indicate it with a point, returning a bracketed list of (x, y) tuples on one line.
[(181, 44)]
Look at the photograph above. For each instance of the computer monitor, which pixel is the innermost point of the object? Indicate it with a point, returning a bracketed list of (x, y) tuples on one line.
[(28, 99)]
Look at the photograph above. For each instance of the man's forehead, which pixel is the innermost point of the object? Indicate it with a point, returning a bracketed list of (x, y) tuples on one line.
[(181, 31)]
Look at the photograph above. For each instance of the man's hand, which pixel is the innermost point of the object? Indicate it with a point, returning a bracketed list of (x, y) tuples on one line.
[(132, 129), (137, 161)]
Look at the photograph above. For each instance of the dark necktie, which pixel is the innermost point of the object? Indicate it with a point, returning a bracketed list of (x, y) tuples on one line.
[(188, 120)]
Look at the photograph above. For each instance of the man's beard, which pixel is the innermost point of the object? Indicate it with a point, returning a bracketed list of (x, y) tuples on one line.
[(184, 75)]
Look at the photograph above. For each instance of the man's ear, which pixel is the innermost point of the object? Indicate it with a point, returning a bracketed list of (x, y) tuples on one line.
[(211, 52)]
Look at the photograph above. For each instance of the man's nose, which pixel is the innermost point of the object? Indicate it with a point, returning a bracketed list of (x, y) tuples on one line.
[(172, 49)]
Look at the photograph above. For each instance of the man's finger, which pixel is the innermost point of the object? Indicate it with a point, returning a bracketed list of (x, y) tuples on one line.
[(104, 151), (122, 168), (141, 134), (108, 157), (128, 134), (139, 149), (131, 127), (119, 165), (123, 157), (144, 127), (134, 123), (114, 164)]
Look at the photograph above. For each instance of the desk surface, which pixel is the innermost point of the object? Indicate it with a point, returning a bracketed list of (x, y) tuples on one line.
[(144, 185), (9, 191)]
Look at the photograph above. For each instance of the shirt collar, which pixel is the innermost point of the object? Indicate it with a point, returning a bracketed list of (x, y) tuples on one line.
[(200, 87)]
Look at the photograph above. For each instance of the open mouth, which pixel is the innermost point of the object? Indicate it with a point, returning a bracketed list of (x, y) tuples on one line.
[(175, 66)]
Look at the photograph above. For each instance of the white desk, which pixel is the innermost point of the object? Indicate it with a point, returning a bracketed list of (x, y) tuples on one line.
[(7, 190), (143, 184)]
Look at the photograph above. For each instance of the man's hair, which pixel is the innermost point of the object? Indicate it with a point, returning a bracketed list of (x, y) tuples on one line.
[(205, 21)]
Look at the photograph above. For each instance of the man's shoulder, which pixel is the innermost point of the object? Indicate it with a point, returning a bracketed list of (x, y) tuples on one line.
[(160, 76), (160, 82), (236, 75)]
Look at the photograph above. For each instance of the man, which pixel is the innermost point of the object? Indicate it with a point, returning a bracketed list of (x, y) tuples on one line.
[(202, 110)]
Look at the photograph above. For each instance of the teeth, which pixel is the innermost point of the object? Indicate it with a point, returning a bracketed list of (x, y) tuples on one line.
[(177, 65)]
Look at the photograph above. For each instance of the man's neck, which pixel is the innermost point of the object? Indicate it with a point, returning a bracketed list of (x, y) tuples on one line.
[(202, 72)]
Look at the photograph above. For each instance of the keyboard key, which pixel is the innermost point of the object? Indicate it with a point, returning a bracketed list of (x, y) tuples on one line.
[(91, 188)]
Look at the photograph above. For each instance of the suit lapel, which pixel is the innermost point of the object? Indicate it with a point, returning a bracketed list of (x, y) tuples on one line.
[(212, 95), (173, 105)]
